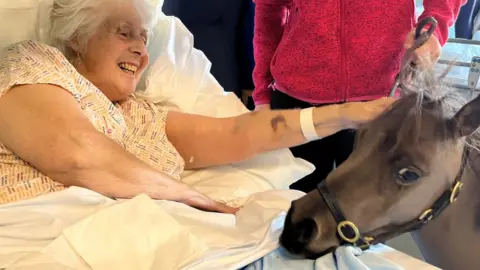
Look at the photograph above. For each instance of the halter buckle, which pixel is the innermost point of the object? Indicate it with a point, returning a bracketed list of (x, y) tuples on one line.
[(456, 191), (352, 226), (426, 216), (368, 240)]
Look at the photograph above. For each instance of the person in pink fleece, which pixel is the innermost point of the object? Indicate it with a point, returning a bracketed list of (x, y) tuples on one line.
[(312, 53)]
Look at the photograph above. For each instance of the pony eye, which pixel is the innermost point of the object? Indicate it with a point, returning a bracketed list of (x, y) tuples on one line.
[(408, 175)]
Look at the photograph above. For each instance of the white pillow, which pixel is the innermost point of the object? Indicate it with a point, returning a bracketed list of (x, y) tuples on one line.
[(233, 183), (28, 19), (18, 21)]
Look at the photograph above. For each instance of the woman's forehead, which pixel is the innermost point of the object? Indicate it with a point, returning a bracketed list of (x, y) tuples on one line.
[(131, 22), (128, 14)]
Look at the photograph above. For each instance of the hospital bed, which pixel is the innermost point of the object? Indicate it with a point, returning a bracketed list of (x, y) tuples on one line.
[(463, 56), (80, 229)]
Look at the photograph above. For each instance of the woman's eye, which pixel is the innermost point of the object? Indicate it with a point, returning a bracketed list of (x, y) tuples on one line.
[(408, 175), (123, 33)]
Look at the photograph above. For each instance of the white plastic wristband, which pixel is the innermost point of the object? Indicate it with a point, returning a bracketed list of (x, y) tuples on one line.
[(306, 123)]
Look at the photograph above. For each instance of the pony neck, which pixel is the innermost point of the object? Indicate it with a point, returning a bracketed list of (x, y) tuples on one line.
[(452, 240)]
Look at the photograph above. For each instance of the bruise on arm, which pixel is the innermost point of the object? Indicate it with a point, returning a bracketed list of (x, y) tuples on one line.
[(276, 121), (208, 141)]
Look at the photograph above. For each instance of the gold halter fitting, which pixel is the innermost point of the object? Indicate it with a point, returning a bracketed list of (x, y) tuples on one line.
[(453, 197), (426, 213), (456, 191), (354, 228)]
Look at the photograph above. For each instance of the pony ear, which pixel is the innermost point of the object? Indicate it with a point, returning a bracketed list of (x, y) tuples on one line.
[(467, 119)]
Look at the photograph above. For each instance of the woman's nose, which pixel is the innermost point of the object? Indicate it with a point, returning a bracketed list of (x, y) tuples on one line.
[(138, 47)]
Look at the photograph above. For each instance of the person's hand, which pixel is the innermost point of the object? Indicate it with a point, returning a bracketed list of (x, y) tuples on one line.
[(355, 113), (428, 54), (262, 107), (191, 197)]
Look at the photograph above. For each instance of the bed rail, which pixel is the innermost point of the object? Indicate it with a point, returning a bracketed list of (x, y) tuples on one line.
[(466, 72)]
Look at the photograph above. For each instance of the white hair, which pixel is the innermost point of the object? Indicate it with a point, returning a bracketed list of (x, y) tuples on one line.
[(80, 19)]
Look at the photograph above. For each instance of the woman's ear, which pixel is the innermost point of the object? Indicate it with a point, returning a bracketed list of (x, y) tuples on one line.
[(467, 119), (74, 52), (75, 45)]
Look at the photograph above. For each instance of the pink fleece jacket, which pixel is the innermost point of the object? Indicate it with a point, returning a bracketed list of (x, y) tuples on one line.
[(328, 51)]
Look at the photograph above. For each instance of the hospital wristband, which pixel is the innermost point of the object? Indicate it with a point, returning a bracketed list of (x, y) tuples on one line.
[(306, 123)]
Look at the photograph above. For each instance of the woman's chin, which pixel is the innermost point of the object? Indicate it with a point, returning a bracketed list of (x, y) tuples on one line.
[(127, 88), (120, 93)]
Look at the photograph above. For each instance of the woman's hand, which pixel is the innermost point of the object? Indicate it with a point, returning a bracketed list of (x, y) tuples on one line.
[(428, 54), (356, 113), (193, 198)]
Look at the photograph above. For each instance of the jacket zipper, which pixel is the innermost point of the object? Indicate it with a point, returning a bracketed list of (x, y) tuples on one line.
[(343, 68)]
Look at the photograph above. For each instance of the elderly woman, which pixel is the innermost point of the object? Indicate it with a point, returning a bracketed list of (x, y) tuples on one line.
[(69, 117)]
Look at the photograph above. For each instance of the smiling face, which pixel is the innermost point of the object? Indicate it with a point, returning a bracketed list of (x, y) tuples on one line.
[(116, 55)]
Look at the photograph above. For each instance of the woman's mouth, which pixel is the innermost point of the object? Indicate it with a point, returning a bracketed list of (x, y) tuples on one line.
[(128, 68)]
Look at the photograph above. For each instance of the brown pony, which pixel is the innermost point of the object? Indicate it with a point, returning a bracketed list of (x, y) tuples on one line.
[(406, 171)]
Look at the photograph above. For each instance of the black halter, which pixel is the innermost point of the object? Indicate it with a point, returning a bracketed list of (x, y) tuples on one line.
[(348, 232)]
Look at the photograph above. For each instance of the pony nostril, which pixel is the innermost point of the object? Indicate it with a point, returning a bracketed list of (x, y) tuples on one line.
[(296, 236), (306, 231)]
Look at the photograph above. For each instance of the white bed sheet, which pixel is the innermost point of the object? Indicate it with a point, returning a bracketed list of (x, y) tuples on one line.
[(77, 229), (80, 229)]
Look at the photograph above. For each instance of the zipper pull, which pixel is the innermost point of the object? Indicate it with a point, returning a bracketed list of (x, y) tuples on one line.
[(272, 85)]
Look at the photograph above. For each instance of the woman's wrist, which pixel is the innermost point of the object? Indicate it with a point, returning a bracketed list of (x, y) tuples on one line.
[(353, 114), (307, 124), (329, 119), (346, 115), (335, 115)]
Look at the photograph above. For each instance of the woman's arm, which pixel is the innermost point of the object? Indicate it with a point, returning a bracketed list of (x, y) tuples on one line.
[(270, 19), (44, 125), (205, 141)]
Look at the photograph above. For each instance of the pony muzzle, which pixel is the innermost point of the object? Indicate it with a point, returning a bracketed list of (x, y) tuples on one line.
[(296, 236)]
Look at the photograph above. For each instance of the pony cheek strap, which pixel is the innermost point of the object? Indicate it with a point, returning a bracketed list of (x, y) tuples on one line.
[(306, 123)]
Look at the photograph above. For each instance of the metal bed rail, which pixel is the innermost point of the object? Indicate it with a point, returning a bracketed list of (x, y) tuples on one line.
[(473, 67)]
